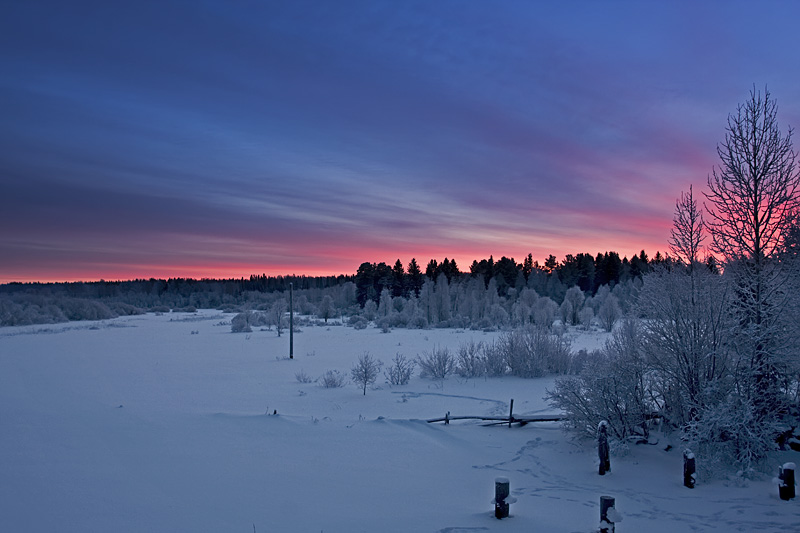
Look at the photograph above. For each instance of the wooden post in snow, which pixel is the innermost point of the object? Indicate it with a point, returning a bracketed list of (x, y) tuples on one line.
[(502, 488), (291, 322), (511, 413), (602, 448), (689, 469), (607, 523), (786, 477)]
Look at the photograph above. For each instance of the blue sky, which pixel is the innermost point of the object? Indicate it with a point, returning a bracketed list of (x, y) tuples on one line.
[(156, 139)]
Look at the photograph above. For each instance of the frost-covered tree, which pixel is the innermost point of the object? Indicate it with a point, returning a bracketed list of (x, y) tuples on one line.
[(443, 303), (370, 310), (575, 297), (752, 196), (325, 309), (686, 312), (686, 327), (241, 322), (586, 316), (276, 313), (428, 302), (544, 312), (565, 311), (365, 371), (609, 312), (385, 305)]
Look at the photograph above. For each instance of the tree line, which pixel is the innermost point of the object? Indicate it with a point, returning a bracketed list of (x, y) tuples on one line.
[(30, 303), (551, 279)]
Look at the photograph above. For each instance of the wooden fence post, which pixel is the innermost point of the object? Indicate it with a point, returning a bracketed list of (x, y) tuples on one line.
[(689, 469), (608, 515), (602, 448), (606, 525), (786, 476), (511, 413), (501, 492)]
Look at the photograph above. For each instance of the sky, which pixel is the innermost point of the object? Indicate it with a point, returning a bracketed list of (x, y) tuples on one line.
[(223, 139)]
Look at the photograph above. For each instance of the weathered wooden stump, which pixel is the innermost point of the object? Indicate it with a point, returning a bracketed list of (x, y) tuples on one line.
[(608, 515), (689, 469), (502, 488), (602, 448), (786, 476)]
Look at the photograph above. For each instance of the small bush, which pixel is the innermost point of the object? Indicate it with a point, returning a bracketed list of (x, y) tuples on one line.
[(302, 377), (401, 370), (358, 322), (259, 319), (241, 323), (534, 352), (436, 364), (469, 360), (123, 309), (332, 379), (494, 360)]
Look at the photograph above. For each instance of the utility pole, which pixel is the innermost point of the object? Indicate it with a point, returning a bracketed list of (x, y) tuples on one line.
[(291, 322)]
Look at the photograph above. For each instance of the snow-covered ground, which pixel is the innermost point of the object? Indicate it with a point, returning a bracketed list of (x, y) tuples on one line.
[(159, 423)]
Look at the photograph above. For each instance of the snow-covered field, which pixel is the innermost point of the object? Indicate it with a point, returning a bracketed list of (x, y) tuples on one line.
[(159, 423)]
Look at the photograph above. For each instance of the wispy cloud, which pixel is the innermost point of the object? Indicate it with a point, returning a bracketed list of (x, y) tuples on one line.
[(154, 139)]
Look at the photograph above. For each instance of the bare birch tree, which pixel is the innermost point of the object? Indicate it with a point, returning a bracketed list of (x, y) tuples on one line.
[(751, 198), (686, 236)]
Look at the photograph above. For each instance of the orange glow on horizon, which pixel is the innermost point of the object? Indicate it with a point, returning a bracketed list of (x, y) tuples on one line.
[(328, 266)]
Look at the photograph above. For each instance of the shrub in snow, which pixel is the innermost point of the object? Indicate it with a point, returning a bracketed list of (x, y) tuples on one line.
[(358, 322), (611, 386), (241, 323), (534, 352), (729, 433), (332, 379), (494, 359), (384, 323), (469, 360), (302, 377), (365, 371), (585, 317), (82, 309), (400, 371), (579, 360), (436, 364), (123, 309), (259, 319)]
